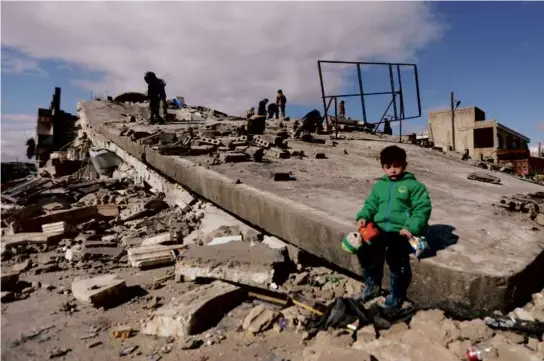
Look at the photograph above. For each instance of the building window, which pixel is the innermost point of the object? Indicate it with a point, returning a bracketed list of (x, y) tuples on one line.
[(483, 138)]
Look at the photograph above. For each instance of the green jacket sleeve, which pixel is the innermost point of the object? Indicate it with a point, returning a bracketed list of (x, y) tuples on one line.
[(370, 207), (421, 210)]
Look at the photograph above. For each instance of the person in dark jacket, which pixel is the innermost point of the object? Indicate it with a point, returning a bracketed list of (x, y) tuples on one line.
[(156, 94), (311, 122), (273, 111), (400, 206), (261, 110)]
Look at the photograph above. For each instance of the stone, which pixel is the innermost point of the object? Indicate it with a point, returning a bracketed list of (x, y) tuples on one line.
[(484, 177), (194, 311), (237, 262), (475, 330), (433, 324), (179, 197), (7, 296), (326, 352), (522, 315), (395, 329), (259, 319), (320, 156), (406, 346), (353, 287), (540, 219), (301, 278), (9, 280), (459, 348), (99, 291), (161, 238), (366, 334), (532, 343), (516, 353), (23, 266), (153, 256)]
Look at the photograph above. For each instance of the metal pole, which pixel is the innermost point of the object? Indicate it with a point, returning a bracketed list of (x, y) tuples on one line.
[(452, 100), (362, 92), (401, 96), (416, 76), (394, 100), (322, 92)]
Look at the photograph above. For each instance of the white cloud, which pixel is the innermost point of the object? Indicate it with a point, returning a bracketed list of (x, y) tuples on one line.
[(226, 55), (20, 65), (16, 129)]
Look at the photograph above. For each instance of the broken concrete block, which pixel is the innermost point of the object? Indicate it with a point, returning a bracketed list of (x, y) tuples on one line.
[(484, 177), (475, 330), (225, 239), (162, 238), (256, 153), (235, 157), (277, 153), (7, 296), (23, 266), (259, 319), (406, 346), (151, 256), (99, 291), (239, 262), (57, 228), (195, 311), (9, 280), (179, 197), (320, 156)]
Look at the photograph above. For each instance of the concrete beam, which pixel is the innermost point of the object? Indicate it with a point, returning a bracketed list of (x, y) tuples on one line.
[(320, 233)]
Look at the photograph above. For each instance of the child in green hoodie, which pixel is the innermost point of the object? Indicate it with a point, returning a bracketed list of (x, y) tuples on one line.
[(400, 206)]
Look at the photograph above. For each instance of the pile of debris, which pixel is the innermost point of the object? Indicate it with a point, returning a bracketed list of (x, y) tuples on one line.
[(531, 205)]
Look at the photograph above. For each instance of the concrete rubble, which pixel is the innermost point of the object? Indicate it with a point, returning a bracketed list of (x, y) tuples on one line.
[(157, 251)]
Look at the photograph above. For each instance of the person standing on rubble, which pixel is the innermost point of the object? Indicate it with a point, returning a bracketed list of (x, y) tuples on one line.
[(400, 207), (156, 94), (273, 111), (261, 110), (281, 100), (342, 108)]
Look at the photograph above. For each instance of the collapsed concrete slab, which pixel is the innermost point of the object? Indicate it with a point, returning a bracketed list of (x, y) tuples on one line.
[(238, 262), (153, 255), (478, 261), (194, 311), (99, 291)]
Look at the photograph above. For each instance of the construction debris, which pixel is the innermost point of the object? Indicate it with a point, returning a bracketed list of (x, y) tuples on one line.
[(195, 311), (99, 291)]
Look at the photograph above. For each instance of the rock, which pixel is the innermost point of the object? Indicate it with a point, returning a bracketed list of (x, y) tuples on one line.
[(57, 352), (238, 262), (395, 329), (532, 343), (100, 291), (9, 280), (459, 348), (433, 324), (301, 278), (516, 353), (508, 337), (23, 266), (406, 346), (162, 238), (195, 311), (484, 177), (326, 352), (259, 319), (7, 296), (540, 219), (366, 334), (225, 239), (522, 314), (475, 330), (353, 287)]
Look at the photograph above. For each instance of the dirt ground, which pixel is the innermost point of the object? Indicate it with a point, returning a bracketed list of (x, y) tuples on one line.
[(44, 308)]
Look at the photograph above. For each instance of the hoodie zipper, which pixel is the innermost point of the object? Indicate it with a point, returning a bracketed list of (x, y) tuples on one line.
[(388, 223)]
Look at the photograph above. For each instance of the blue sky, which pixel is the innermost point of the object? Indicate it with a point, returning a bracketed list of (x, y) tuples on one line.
[(490, 54)]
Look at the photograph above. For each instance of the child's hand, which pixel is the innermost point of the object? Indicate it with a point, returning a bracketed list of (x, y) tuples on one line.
[(361, 223), (406, 233)]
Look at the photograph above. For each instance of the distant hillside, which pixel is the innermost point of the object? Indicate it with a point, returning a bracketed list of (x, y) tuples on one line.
[(15, 170)]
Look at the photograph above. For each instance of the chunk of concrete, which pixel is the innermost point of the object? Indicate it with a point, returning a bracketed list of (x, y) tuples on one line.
[(259, 319), (152, 256), (161, 238), (179, 197), (406, 346), (9, 280), (235, 261), (226, 239), (195, 311), (99, 291), (475, 330)]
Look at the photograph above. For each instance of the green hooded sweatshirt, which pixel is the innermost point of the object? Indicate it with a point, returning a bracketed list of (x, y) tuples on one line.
[(398, 204)]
